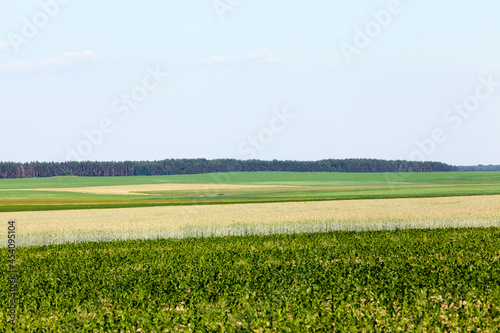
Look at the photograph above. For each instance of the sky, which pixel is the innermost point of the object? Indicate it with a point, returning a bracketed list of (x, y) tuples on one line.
[(282, 79)]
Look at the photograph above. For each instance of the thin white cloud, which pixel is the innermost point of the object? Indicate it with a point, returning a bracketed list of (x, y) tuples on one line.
[(248, 58), (66, 62), (4, 46)]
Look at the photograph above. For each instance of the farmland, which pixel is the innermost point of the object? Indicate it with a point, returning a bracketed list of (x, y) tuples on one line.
[(54, 227), (385, 281), (63, 193), (261, 251)]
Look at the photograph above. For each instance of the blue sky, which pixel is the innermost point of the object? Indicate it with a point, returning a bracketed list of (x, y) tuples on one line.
[(250, 79)]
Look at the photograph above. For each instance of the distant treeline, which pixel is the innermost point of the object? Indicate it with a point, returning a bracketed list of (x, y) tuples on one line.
[(197, 166), (479, 167)]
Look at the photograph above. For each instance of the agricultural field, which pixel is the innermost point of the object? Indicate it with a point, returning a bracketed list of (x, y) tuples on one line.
[(260, 251), (444, 280), (70, 209), (63, 193), (57, 227)]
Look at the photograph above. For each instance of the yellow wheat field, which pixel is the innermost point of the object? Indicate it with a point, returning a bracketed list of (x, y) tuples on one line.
[(39, 228)]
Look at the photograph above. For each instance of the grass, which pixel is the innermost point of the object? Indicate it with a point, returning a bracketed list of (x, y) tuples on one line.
[(385, 281), (264, 178), (35, 194)]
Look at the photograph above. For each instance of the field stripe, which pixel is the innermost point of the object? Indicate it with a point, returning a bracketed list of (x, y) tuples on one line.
[(37, 228)]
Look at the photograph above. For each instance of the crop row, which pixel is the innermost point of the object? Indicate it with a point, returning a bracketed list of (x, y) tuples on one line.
[(403, 280)]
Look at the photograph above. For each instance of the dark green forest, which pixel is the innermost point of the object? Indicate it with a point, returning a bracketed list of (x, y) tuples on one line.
[(198, 166), (479, 167)]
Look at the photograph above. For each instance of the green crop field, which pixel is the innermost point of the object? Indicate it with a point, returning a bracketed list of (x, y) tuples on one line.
[(310, 255), (444, 280), (267, 178), (39, 194)]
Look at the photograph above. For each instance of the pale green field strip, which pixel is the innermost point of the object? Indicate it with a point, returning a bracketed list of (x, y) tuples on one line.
[(263, 178), (55, 227)]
